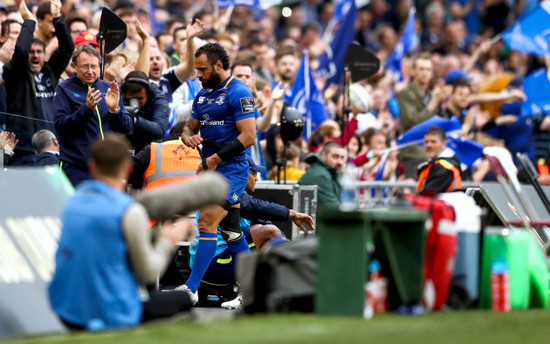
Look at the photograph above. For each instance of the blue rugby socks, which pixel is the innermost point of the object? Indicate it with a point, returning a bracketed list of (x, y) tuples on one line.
[(238, 246), (206, 250)]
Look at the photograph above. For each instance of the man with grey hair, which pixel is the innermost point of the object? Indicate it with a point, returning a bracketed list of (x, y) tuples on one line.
[(86, 108), (47, 148)]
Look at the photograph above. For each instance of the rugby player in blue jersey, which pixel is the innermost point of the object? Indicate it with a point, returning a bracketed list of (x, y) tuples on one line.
[(224, 113)]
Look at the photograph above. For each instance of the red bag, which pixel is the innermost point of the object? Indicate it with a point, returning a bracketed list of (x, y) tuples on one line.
[(440, 250)]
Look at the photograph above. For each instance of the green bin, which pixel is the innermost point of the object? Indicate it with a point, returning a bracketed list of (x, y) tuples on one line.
[(399, 238), (528, 271), (342, 258)]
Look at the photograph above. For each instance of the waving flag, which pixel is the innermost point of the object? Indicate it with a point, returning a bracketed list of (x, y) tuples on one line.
[(402, 47), (153, 17), (307, 98), (467, 151), (531, 34), (416, 133), (331, 63), (537, 89), (380, 172)]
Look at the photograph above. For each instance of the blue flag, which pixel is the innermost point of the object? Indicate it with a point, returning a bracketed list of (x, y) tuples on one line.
[(153, 17), (467, 151), (531, 34), (331, 63), (537, 89), (307, 98), (408, 37), (380, 172), (416, 133)]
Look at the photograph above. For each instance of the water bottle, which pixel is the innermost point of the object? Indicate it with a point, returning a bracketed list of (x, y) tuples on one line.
[(348, 189), (500, 287), (377, 288)]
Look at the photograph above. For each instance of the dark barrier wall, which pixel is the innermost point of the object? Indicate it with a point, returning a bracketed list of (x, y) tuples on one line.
[(31, 203), (301, 198)]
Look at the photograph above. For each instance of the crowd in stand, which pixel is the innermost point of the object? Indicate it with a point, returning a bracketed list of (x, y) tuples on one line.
[(454, 68)]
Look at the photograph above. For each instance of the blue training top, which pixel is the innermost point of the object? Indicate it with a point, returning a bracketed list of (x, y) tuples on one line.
[(219, 109)]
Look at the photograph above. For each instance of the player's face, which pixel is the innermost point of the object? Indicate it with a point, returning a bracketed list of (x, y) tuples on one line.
[(86, 68), (209, 75), (251, 182)]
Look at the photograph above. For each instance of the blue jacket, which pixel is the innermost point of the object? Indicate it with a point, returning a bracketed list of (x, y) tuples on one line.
[(260, 211), (78, 126), (152, 120), (93, 284)]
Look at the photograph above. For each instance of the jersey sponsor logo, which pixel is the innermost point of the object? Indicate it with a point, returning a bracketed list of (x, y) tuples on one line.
[(247, 104), (206, 116), (212, 122), (200, 100)]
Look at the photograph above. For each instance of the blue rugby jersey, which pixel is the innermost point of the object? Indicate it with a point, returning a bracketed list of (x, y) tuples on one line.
[(219, 109)]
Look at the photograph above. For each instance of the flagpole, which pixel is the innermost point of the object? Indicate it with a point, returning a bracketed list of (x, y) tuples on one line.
[(346, 106), (307, 94), (495, 39)]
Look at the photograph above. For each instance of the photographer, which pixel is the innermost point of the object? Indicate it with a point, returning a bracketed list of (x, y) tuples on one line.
[(148, 107)]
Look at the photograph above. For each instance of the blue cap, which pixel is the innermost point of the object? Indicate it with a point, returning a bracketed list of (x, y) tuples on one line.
[(253, 166), (455, 74)]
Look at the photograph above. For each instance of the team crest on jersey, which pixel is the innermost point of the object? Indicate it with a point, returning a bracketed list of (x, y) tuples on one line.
[(247, 104), (200, 100), (220, 99)]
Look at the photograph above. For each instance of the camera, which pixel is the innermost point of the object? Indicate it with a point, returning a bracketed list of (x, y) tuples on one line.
[(132, 105)]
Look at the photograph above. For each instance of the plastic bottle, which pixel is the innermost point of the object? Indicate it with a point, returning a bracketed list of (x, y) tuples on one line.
[(500, 287), (348, 189), (542, 166), (377, 288)]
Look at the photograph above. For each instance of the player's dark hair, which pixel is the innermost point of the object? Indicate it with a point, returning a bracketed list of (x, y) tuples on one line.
[(214, 52)]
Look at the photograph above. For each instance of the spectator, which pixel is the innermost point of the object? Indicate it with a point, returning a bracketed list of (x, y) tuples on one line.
[(47, 148), (442, 172), (96, 285), (323, 172), (86, 108), (76, 25), (163, 163), (416, 104), (151, 114), (292, 170), (31, 82)]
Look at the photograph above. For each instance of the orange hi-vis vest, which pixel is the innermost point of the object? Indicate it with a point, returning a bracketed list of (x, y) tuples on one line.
[(171, 162), (457, 177)]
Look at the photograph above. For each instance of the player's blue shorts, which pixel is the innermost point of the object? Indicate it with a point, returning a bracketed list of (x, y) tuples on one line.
[(236, 174)]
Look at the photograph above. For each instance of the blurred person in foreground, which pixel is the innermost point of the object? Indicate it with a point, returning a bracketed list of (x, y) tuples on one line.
[(106, 250)]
